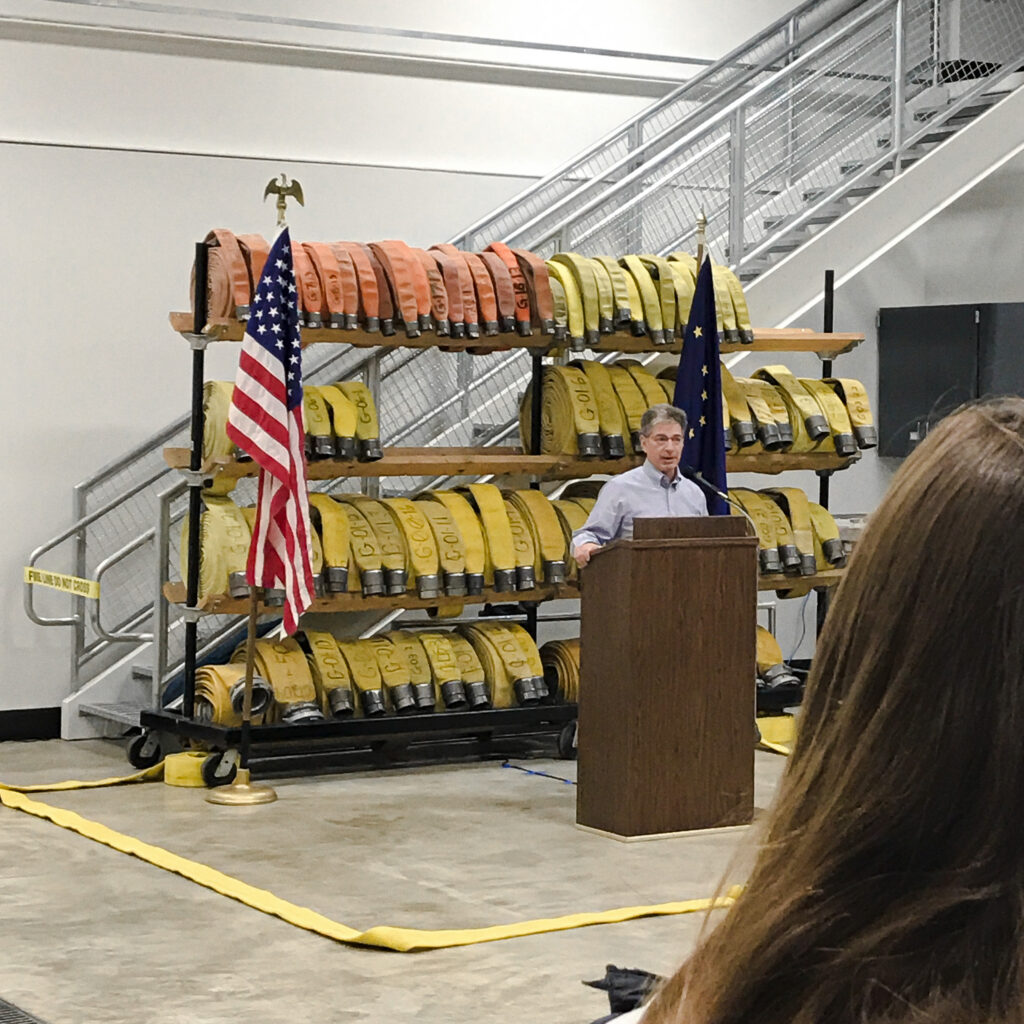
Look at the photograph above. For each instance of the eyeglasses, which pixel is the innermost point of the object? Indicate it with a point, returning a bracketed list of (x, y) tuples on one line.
[(664, 440)]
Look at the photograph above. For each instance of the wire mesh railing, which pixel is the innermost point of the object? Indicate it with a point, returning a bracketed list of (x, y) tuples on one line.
[(792, 130), (639, 139)]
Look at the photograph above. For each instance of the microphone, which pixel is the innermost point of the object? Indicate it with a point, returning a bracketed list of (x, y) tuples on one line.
[(692, 474)]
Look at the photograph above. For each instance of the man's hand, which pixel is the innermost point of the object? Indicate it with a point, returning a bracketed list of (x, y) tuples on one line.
[(583, 552)]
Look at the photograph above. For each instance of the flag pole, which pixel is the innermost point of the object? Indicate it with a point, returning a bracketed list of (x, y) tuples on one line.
[(241, 792), (702, 226), (250, 659)]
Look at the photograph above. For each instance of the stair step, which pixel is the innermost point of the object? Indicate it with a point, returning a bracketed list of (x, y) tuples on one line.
[(123, 713), (792, 239), (905, 162), (851, 168), (786, 244), (825, 216), (968, 113), (142, 672), (859, 191), (855, 192), (939, 134), (980, 105)]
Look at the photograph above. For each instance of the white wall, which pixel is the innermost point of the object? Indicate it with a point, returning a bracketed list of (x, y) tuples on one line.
[(127, 93)]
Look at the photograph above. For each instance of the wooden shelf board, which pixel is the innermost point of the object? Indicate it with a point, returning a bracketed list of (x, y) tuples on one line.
[(782, 462), (765, 339), (222, 604), (496, 461), (822, 578)]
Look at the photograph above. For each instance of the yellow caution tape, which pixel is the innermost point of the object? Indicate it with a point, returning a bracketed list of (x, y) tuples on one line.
[(61, 581)]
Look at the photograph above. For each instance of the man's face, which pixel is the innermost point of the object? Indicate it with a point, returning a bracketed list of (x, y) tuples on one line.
[(663, 446)]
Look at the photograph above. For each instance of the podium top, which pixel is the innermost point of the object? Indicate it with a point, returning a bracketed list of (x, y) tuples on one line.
[(689, 527)]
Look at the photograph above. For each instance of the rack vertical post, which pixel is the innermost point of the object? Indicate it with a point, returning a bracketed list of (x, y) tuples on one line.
[(195, 485), (825, 475), (537, 383)]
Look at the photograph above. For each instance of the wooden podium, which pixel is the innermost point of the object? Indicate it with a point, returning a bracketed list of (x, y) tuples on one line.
[(666, 722)]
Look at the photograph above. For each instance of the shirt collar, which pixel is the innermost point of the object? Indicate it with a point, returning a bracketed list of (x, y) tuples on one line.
[(657, 477)]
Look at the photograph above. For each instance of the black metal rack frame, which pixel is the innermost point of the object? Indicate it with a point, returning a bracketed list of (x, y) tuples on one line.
[(488, 733)]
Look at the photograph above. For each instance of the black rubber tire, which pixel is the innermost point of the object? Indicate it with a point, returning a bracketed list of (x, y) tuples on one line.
[(210, 765), (566, 751), (139, 760)]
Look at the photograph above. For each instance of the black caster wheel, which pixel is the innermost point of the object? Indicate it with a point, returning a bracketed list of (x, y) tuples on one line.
[(215, 774), (567, 742), (144, 751)]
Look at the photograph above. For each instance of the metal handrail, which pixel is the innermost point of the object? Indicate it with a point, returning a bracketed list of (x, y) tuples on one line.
[(94, 608), (629, 161), (64, 535), (694, 84), (703, 130), (736, 108)]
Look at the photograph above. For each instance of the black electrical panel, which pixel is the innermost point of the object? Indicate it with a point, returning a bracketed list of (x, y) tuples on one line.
[(932, 359)]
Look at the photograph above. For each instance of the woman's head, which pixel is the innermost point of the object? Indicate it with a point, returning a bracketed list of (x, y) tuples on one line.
[(892, 867)]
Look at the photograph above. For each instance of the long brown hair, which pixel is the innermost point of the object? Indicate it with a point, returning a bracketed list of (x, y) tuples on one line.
[(890, 873)]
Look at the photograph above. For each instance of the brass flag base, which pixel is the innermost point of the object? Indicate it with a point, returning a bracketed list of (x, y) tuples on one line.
[(241, 793)]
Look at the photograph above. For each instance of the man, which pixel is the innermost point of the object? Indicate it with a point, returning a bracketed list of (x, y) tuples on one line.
[(656, 488)]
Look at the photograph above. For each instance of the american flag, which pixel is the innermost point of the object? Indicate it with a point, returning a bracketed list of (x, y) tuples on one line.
[(266, 421), (699, 390)]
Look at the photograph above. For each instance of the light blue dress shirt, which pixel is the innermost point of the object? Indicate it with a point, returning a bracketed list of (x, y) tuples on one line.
[(643, 491)]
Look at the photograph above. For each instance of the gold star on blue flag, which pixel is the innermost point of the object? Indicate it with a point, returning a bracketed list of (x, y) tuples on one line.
[(699, 390)]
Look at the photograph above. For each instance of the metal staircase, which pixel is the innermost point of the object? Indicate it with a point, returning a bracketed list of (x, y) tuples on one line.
[(774, 143)]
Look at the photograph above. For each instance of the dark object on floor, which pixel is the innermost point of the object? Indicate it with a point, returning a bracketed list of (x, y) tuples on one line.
[(10, 1014), (627, 987)]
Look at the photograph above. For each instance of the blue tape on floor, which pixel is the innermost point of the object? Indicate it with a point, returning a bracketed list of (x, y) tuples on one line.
[(531, 771)]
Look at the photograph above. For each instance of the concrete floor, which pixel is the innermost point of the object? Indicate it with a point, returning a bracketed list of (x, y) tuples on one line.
[(91, 935)]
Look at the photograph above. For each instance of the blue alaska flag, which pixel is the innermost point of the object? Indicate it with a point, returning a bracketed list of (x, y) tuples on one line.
[(699, 390)]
